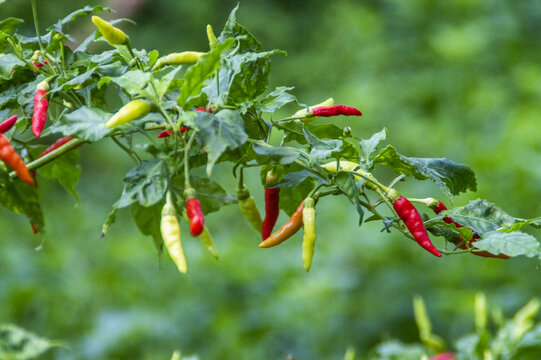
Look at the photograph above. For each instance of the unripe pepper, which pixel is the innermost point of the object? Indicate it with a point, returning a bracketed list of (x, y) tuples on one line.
[(287, 230), (7, 124), (414, 222), (212, 38), (461, 244), (14, 161), (207, 242), (131, 111), (170, 230), (183, 58), (41, 104), (113, 35), (272, 205), (248, 207), (309, 239), (195, 213), (301, 114)]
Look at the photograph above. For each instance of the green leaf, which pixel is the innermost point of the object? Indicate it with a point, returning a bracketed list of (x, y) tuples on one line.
[(145, 184), (347, 185), (204, 68), (65, 169), (87, 10), (147, 220), (482, 216), (219, 132), (21, 198), (322, 149), (19, 344), (511, 244), (84, 123), (7, 64), (291, 197), (451, 177), (232, 29), (78, 81), (276, 155), (8, 25), (293, 179), (211, 195), (168, 79), (396, 350), (276, 99), (133, 82), (370, 145)]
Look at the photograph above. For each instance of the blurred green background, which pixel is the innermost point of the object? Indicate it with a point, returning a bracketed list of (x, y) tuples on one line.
[(458, 79)]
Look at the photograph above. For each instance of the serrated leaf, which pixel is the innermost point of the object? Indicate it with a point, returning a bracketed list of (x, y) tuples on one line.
[(19, 344), (7, 64), (276, 99), (66, 170), (322, 149), (145, 184), (278, 155), (219, 132), (451, 177), (147, 220), (84, 123), (21, 198), (347, 185), (204, 68), (512, 244)]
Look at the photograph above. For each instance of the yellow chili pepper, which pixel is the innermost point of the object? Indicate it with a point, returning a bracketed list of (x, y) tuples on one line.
[(113, 35), (206, 239), (212, 38), (182, 58), (309, 239), (170, 230), (131, 111)]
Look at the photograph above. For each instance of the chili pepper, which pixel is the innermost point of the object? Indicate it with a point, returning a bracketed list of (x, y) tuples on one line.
[(34, 228), (414, 222), (335, 110), (301, 114), (131, 111), (41, 103), (7, 124), (309, 239), (58, 143), (14, 161), (249, 208), (287, 230), (113, 35), (212, 38), (461, 244), (170, 230), (38, 64), (167, 133), (203, 109), (182, 58), (272, 205), (206, 239), (195, 214), (443, 356)]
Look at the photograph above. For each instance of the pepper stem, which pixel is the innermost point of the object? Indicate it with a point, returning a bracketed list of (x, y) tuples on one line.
[(186, 166)]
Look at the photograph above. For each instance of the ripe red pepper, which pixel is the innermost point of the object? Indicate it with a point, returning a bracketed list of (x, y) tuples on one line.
[(41, 104), (7, 124), (58, 143), (272, 205), (461, 244), (195, 214), (414, 222), (167, 133), (14, 161), (335, 110), (287, 230), (443, 356)]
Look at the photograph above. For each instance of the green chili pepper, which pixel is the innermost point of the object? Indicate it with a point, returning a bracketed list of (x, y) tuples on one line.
[(170, 230), (206, 239), (309, 239), (113, 35), (183, 58), (212, 38), (131, 111), (249, 208)]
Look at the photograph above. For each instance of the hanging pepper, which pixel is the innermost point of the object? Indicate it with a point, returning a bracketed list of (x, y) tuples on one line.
[(195, 213), (41, 104), (272, 205), (7, 124), (309, 239), (287, 230), (182, 58), (131, 111), (167, 133), (58, 143), (207, 242), (14, 161), (113, 35), (249, 208), (335, 110), (170, 230), (461, 243), (301, 114), (414, 222), (212, 38)]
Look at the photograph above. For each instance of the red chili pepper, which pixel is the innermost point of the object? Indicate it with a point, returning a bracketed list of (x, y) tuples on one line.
[(287, 230), (443, 356), (7, 124), (462, 244), (414, 222), (335, 110), (56, 145), (272, 205), (195, 214), (167, 133), (41, 103), (34, 228), (14, 161), (203, 109)]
